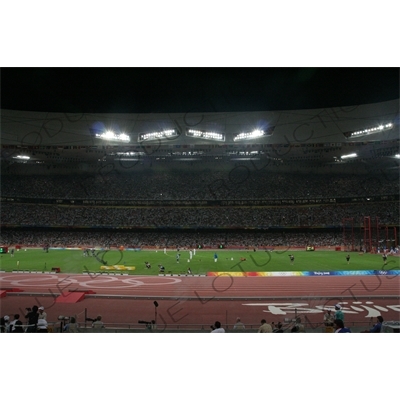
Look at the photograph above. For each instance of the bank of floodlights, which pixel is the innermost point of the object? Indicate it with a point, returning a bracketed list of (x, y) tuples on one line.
[(369, 131), (166, 134), (113, 137), (257, 133), (218, 137), (346, 156)]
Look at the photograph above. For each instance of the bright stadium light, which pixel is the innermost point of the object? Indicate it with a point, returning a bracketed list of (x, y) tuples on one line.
[(129, 153), (219, 137), (22, 157), (352, 155), (166, 134), (257, 133), (246, 159), (189, 159), (370, 131), (111, 136)]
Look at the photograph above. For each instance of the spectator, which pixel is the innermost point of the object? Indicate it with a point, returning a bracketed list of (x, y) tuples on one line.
[(239, 326), (264, 328), (18, 327), (340, 328), (329, 321), (338, 312), (42, 326), (32, 318), (72, 326), (377, 327), (98, 324), (42, 313), (217, 328), (298, 326), (278, 328), (13, 322), (4, 324)]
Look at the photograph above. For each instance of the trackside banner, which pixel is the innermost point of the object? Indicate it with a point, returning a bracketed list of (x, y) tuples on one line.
[(307, 273)]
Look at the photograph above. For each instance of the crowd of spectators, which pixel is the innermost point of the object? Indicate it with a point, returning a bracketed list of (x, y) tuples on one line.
[(239, 183), (162, 239), (36, 215)]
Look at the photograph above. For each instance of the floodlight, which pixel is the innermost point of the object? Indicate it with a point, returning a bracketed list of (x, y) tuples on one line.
[(22, 157), (218, 137), (257, 133), (111, 136), (370, 131), (246, 159), (129, 153), (166, 134), (352, 155)]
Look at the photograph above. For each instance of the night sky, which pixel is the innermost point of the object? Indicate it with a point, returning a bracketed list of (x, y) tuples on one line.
[(153, 90)]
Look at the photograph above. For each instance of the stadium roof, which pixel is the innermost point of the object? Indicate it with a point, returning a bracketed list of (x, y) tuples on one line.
[(307, 115)]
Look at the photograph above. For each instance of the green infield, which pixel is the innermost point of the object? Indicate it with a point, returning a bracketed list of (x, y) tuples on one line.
[(133, 262)]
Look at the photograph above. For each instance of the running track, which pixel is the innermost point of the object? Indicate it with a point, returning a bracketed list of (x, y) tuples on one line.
[(202, 300)]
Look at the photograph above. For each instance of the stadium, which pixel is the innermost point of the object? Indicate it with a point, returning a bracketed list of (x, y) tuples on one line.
[(198, 215)]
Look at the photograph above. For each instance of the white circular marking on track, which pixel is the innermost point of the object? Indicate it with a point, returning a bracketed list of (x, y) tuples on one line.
[(129, 282), (30, 281)]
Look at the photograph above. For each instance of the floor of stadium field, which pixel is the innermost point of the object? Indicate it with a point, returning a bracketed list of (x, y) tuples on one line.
[(188, 302)]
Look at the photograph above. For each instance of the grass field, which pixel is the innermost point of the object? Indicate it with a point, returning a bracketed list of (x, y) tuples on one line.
[(73, 261)]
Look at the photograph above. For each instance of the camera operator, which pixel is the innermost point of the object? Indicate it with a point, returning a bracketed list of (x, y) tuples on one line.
[(32, 316)]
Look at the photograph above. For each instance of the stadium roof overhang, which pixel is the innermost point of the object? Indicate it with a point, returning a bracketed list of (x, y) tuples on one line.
[(299, 137)]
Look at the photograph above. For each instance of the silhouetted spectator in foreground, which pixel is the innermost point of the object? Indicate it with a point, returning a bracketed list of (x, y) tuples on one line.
[(377, 327), (298, 327), (278, 328), (340, 328), (217, 328), (264, 328), (32, 316)]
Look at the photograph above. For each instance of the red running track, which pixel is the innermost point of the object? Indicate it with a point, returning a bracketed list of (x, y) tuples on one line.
[(202, 300)]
